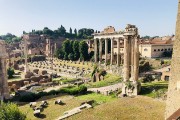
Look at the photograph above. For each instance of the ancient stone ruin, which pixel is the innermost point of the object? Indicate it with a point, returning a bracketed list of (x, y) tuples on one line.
[(129, 39), (4, 90), (173, 98)]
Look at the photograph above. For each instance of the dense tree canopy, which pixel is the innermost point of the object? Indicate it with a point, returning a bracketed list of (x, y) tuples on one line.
[(84, 33), (9, 38), (73, 50), (83, 49)]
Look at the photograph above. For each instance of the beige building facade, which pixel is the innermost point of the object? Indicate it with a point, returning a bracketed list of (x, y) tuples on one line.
[(154, 50)]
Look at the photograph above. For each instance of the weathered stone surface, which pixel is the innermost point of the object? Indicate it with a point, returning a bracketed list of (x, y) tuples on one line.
[(4, 91), (173, 98)]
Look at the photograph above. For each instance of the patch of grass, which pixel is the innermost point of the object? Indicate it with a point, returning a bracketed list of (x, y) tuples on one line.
[(65, 79), (15, 78), (99, 98), (150, 89), (108, 80), (52, 111), (138, 108)]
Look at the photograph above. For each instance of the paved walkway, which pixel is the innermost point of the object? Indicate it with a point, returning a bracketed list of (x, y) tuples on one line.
[(106, 89), (163, 69)]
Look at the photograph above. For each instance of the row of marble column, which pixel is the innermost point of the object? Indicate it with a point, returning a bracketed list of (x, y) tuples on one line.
[(131, 55), (131, 58), (106, 50)]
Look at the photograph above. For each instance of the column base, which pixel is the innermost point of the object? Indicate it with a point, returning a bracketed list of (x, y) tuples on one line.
[(130, 88)]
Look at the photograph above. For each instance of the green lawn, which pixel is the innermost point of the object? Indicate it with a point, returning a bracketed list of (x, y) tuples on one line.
[(15, 78), (138, 108), (151, 89), (99, 98), (108, 108), (64, 79), (108, 80)]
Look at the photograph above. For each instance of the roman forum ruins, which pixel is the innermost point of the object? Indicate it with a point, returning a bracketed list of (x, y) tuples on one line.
[(4, 90), (173, 98), (130, 37)]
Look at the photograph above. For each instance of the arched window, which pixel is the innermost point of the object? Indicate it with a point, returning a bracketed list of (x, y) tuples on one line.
[(145, 49), (154, 50)]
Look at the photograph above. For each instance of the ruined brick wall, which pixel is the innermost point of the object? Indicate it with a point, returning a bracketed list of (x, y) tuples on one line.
[(173, 99)]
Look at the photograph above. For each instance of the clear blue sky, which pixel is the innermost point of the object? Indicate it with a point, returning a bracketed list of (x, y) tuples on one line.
[(152, 17)]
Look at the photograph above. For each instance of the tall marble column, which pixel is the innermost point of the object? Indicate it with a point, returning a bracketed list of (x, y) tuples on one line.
[(132, 58), (4, 90), (136, 59), (126, 58), (106, 50), (55, 47), (112, 51), (95, 50), (26, 69), (118, 52), (100, 50)]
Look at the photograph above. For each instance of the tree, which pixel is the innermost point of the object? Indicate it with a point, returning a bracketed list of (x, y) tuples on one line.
[(83, 49), (59, 54), (65, 56), (16, 39), (75, 32), (62, 31), (71, 56), (85, 33), (70, 31), (47, 31), (66, 46), (10, 111), (76, 50)]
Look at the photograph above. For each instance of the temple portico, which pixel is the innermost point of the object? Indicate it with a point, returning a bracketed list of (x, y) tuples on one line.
[(128, 41)]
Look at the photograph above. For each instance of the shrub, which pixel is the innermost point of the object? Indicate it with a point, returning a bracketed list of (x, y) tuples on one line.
[(71, 90), (147, 78), (95, 70), (10, 111), (144, 67), (30, 97), (10, 73), (102, 72), (82, 89)]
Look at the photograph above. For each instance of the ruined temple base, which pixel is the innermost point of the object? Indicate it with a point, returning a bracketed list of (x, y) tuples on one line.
[(134, 91), (27, 75)]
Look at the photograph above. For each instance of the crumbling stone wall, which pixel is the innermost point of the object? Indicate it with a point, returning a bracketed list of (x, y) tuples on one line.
[(173, 98), (35, 79)]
